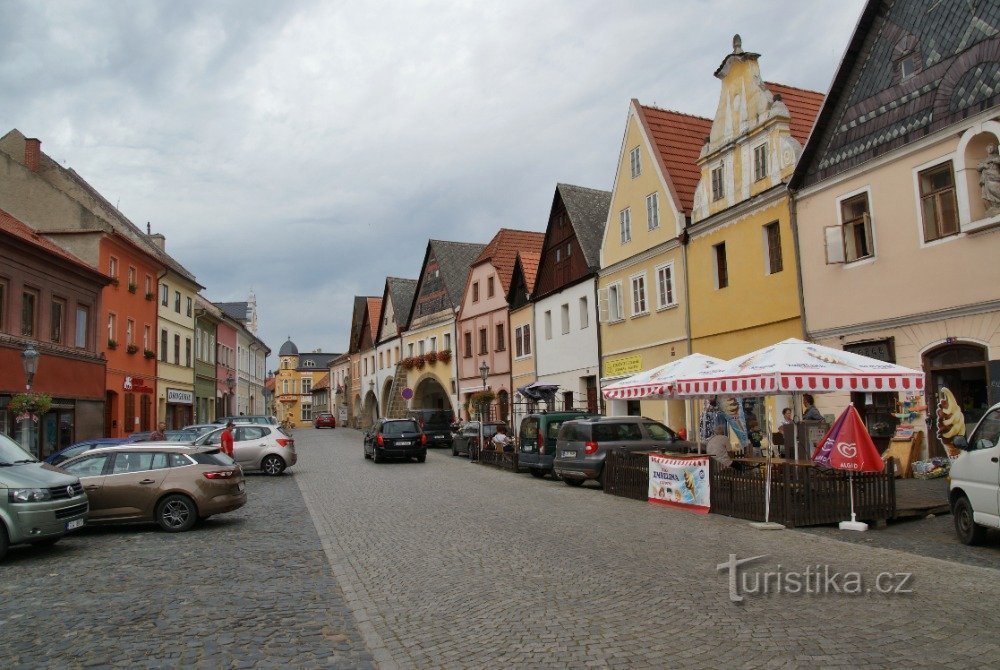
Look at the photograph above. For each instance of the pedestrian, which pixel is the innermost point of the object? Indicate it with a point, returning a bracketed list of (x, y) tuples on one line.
[(226, 441), (810, 413), (717, 446), (158, 435), (501, 441), (786, 416)]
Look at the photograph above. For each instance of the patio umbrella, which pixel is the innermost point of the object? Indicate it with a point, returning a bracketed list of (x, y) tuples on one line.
[(848, 446)]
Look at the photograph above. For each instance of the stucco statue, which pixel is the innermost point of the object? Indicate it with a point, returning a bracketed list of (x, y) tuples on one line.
[(989, 180)]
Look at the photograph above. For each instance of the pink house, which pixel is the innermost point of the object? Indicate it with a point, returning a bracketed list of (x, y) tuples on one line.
[(482, 322), (225, 367)]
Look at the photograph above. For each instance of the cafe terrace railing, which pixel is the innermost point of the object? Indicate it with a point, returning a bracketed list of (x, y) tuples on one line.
[(505, 460), (801, 494)]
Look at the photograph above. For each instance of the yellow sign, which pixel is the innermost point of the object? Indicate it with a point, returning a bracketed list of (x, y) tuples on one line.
[(627, 365)]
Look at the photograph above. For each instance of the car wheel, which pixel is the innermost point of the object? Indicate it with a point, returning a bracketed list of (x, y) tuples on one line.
[(272, 465), (421, 458), (176, 514), (572, 481), (376, 456), (3, 541), (540, 474), (969, 532)]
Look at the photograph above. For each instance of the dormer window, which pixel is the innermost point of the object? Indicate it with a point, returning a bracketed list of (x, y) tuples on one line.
[(907, 67)]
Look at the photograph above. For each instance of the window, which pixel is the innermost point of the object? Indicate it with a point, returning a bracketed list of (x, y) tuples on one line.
[(638, 295), (653, 211), (548, 324), (82, 316), (187, 351), (772, 248), (177, 349), (527, 339), (484, 345), (475, 291), (146, 334), (501, 340), (3, 304), (29, 316), (56, 321), (409, 349), (907, 67), (635, 163), (625, 225), (420, 348), (284, 386), (447, 341), (307, 412), (519, 341), (129, 332), (760, 162), (937, 202), (177, 301), (857, 228), (113, 268), (189, 301), (489, 287), (132, 279), (112, 327), (434, 343), (718, 190), (665, 286), (164, 295), (307, 386), (616, 311), (163, 345), (584, 316), (149, 285), (721, 266), (564, 318)]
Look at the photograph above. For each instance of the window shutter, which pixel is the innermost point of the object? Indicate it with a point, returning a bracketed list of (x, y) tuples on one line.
[(602, 305), (834, 244)]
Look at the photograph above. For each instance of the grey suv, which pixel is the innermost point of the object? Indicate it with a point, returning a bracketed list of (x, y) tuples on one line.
[(583, 444)]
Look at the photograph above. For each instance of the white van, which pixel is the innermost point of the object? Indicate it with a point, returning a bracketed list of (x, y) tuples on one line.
[(975, 480)]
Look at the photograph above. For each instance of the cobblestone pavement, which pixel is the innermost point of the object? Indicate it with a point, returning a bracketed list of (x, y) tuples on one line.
[(248, 589), (450, 564)]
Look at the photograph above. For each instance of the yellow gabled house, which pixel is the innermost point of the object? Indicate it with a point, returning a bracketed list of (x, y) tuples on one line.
[(641, 287)]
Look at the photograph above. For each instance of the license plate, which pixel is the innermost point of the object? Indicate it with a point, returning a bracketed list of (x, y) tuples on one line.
[(240, 487), (75, 523), (403, 443), (439, 437), (569, 454)]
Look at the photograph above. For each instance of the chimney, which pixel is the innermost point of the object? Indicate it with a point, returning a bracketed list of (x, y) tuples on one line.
[(32, 153), (159, 240)]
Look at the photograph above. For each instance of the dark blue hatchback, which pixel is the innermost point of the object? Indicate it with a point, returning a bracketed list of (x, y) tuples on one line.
[(86, 445)]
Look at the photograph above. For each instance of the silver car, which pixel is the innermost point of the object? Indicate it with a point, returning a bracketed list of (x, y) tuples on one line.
[(257, 447)]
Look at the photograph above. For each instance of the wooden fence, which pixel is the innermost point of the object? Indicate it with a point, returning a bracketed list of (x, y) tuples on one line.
[(505, 460), (801, 495)]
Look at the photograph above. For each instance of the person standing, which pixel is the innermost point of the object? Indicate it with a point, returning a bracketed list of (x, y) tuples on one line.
[(226, 441), (501, 441), (810, 413), (159, 435)]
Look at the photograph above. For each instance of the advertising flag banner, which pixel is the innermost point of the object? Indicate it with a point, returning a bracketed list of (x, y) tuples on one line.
[(679, 482)]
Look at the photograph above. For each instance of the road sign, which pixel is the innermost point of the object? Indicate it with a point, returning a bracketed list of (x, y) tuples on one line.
[(407, 393)]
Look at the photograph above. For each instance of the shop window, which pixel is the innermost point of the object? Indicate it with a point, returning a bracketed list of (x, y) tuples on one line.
[(760, 162), (721, 265), (29, 313), (635, 163), (938, 205), (772, 248), (56, 318)]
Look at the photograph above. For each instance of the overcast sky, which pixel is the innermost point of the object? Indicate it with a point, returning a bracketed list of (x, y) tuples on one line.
[(307, 149)]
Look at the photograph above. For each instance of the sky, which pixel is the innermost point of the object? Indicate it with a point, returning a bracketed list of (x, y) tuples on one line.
[(307, 149)]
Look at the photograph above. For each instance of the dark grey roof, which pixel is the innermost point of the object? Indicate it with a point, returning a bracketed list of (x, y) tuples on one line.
[(237, 310), (401, 294), (954, 51), (454, 260), (357, 317), (588, 213), (288, 349), (316, 360)]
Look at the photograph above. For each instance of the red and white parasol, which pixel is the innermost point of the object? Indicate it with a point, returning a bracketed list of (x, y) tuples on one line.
[(658, 383)]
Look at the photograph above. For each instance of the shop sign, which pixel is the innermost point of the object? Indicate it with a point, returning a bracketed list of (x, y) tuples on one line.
[(180, 397), (626, 365), (879, 350), (680, 482), (136, 385)]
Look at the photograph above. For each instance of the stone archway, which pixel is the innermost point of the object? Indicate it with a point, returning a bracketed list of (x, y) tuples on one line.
[(430, 394), (962, 368), (370, 413), (356, 415)]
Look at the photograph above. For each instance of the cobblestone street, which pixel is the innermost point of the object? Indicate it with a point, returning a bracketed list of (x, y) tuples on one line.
[(450, 564)]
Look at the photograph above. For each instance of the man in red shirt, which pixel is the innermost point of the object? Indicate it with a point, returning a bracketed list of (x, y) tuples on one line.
[(226, 443)]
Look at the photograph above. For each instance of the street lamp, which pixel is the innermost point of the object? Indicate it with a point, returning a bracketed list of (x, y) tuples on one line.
[(29, 357), (231, 385), (484, 372)]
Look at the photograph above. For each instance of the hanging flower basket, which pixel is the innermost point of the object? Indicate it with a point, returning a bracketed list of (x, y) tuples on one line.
[(482, 398), (29, 406), (131, 348), (149, 353), (431, 357), (132, 288), (112, 344), (418, 362), (409, 363), (444, 355)]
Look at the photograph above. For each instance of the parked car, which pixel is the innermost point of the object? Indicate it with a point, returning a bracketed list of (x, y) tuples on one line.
[(395, 438), (82, 446), (325, 420), (252, 418), (537, 439), (975, 480), (466, 440), (436, 424), (171, 484), (38, 503), (201, 428), (257, 447), (583, 444)]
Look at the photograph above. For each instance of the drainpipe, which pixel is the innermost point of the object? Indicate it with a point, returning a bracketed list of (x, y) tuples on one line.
[(600, 349), (794, 222), (689, 420)]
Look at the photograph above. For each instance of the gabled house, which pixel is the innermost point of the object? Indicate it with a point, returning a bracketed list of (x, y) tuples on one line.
[(641, 285), (293, 382), (397, 299), (370, 320), (352, 384), (522, 327), (251, 355), (565, 296), (482, 321), (431, 326), (897, 200)]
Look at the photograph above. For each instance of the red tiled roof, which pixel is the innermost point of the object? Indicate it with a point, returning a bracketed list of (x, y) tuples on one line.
[(374, 315), (323, 383), (269, 383), (803, 106), (503, 249), (25, 232), (678, 139), (529, 263)]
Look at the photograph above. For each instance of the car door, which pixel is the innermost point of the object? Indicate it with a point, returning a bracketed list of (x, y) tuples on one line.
[(249, 444), (133, 484), (979, 469), (90, 468)]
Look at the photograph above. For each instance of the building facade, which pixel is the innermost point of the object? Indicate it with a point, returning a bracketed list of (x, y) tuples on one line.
[(206, 324), (390, 376)]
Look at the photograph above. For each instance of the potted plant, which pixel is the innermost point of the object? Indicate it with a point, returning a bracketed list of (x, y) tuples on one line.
[(431, 357), (150, 295), (482, 399), (408, 363), (418, 362), (112, 344), (29, 405), (132, 287), (149, 353), (444, 355), (131, 348)]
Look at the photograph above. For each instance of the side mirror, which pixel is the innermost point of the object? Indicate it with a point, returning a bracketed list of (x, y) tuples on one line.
[(959, 442)]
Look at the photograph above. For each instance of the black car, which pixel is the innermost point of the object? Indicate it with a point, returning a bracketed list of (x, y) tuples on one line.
[(395, 438), (436, 424)]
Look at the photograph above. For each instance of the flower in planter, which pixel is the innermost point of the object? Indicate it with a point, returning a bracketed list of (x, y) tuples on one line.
[(418, 362), (444, 355), (150, 295), (112, 344), (132, 288), (131, 348), (431, 357), (408, 363), (149, 353), (29, 406), (115, 281)]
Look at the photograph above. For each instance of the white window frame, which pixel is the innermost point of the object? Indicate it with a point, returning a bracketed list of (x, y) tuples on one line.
[(653, 211), (661, 298), (625, 225), (638, 298), (721, 194), (605, 304), (584, 313), (564, 317), (840, 227), (635, 162)]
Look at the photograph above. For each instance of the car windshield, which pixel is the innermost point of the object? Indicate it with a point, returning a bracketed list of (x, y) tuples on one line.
[(398, 428), (11, 452)]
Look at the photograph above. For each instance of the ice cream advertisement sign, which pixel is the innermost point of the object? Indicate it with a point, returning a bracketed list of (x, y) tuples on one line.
[(679, 482)]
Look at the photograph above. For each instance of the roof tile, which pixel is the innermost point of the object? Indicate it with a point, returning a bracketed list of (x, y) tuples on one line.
[(678, 138), (503, 248)]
